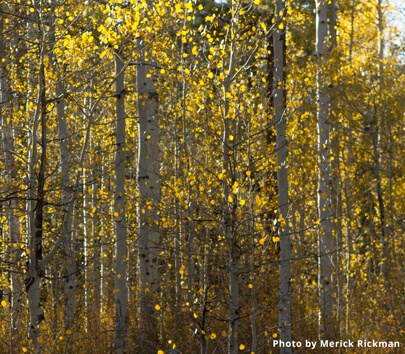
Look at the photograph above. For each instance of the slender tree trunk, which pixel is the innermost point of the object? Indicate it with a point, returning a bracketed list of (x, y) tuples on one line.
[(229, 232), (103, 247), (326, 318), (229, 204), (69, 268), (336, 195), (177, 233), (121, 296), (149, 190), (347, 187), (36, 204), (12, 180), (282, 178), (86, 272), (376, 132), (96, 236), (349, 240), (253, 250)]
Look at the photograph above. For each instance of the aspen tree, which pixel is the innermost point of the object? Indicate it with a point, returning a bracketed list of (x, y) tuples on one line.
[(376, 127), (177, 233), (336, 194), (96, 278), (119, 208), (36, 195), (86, 238), (253, 246), (149, 192), (347, 184), (69, 269), (282, 177), (228, 203), (326, 321), (12, 179)]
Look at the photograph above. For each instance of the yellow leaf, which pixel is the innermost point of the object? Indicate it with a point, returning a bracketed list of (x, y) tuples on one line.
[(116, 214), (324, 195), (210, 75), (257, 2), (39, 340), (4, 304), (261, 241), (213, 336), (242, 202), (274, 335), (68, 332), (230, 200), (157, 307), (241, 347), (250, 286)]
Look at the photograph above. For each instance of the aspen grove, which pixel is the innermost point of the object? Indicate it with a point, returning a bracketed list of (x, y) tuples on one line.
[(202, 176)]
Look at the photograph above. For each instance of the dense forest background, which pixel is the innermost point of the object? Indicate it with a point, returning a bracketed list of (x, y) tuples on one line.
[(200, 176)]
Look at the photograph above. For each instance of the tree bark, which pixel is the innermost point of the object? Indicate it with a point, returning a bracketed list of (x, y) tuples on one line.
[(375, 131), (36, 201), (121, 297), (12, 181), (282, 178), (149, 198), (69, 268), (326, 320)]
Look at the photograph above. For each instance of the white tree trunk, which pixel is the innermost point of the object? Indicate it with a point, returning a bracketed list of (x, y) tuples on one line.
[(69, 269), (85, 251), (336, 193), (119, 210), (282, 179), (149, 189), (326, 321), (376, 138), (36, 199), (228, 206), (12, 180), (96, 236)]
